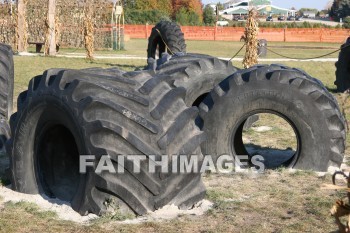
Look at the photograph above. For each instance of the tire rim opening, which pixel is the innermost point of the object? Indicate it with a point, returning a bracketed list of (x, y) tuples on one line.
[(269, 135), (57, 162), (160, 48)]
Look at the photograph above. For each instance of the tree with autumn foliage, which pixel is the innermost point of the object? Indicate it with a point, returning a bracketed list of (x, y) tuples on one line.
[(190, 5), (151, 12), (185, 12)]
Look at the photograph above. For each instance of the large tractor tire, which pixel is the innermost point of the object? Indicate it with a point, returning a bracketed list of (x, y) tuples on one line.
[(300, 100), (343, 68), (6, 81), (197, 73), (68, 113), (6, 91), (167, 37)]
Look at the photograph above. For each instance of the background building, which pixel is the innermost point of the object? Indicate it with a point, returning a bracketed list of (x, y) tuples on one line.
[(264, 7)]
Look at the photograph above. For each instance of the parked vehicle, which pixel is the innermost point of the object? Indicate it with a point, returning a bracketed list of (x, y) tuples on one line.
[(281, 18), (222, 23), (269, 19), (291, 18)]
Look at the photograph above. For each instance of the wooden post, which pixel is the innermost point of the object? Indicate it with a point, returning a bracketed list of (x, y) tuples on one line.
[(52, 28), (215, 31), (21, 26), (146, 28), (284, 34)]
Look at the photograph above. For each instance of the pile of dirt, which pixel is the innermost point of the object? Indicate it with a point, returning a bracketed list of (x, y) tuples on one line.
[(65, 212)]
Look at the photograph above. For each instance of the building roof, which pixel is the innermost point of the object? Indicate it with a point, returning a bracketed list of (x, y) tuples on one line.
[(263, 6)]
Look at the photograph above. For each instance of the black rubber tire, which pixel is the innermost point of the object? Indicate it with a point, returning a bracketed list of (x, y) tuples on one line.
[(305, 104), (103, 114), (197, 73), (6, 92), (106, 71), (343, 68), (6, 81), (171, 34)]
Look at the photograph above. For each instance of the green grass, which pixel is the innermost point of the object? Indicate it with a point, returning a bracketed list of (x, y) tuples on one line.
[(138, 47), (28, 67), (228, 49), (279, 136), (276, 201)]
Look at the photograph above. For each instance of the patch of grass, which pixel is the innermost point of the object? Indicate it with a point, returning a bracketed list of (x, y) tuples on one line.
[(27, 217), (300, 173), (137, 47), (112, 205), (116, 216), (228, 48), (279, 135), (28, 67), (31, 209), (220, 195)]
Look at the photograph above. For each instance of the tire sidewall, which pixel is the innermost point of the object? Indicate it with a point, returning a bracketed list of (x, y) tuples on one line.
[(38, 113), (287, 101)]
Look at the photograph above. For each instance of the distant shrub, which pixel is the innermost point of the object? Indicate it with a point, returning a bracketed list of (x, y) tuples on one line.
[(187, 18), (143, 17), (347, 22), (285, 25)]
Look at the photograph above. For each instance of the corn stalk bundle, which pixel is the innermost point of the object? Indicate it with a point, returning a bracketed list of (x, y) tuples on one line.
[(24, 26), (89, 31), (251, 38)]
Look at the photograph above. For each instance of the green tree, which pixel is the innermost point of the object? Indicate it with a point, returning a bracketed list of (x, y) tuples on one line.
[(143, 17), (187, 17), (165, 6), (189, 5), (347, 22), (340, 9), (220, 6), (208, 15), (142, 12), (193, 19), (302, 10), (182, 16)]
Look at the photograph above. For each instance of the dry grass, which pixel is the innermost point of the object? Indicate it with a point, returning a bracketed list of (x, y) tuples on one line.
[(277, 201), (278, 135)]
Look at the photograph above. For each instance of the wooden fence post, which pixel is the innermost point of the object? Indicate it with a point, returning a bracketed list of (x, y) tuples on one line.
[(215, 31), (284, 34), (146, 28)]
